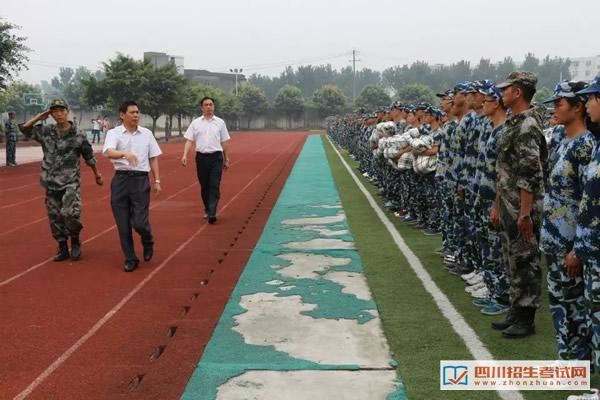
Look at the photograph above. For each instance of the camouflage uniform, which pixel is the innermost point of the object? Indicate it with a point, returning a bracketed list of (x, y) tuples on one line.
[(447, 186), (61, 175), (458, 145), (561, 207), (493, 265), (522, 155), (587, 249), (10, 131)]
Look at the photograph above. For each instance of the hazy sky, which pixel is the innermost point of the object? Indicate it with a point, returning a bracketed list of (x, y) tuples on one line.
[(265, 35)]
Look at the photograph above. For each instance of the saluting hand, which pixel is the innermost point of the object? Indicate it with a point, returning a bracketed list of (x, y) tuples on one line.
[(43, 115)]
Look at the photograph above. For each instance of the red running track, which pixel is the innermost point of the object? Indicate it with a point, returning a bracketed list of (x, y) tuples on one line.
[(88, 330)]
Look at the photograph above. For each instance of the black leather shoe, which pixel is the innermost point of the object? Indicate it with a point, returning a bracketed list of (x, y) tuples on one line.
[(63, 251), (75, 248), (148, 252), (523, 325), (505, 323), (131, 265), (212, 220)]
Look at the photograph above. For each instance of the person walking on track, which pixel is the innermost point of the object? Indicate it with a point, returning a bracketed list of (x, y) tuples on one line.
[(62, 146), (134, 152), (209, 135)]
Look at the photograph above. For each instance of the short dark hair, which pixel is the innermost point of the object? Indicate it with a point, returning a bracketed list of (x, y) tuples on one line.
[(527, 90), (206, 98), (126, 104)]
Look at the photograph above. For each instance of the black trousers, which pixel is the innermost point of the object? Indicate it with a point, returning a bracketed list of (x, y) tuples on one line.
[(209, 168), (130, 199)]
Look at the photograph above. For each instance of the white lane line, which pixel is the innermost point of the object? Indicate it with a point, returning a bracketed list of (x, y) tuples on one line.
[(46, 261), (460, 326), (65, 356)]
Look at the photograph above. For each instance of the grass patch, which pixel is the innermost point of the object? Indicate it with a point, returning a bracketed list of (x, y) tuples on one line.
[(418, 334)]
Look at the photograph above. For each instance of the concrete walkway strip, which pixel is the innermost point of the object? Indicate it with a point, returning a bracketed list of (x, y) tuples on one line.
[(301, 322), (460, 326)]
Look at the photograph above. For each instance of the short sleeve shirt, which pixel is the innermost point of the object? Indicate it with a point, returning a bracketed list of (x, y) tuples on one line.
[(142, 143), (208, 134)]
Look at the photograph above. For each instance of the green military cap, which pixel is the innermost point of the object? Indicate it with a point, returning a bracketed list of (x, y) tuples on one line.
[(58, 103), (519, 77)]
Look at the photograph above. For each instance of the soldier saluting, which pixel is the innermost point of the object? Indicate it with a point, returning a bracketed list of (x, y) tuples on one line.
[(60, 174)]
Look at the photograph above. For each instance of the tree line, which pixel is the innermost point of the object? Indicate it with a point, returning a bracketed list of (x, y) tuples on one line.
[(163, 91)]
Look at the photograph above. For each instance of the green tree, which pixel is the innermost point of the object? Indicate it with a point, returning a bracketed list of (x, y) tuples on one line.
[(125, 79), (329, 100), (416, 93), (373, 97), (13, 51), (542, 94), (13, 99), (289, 101), (161, 87), (254, 101)]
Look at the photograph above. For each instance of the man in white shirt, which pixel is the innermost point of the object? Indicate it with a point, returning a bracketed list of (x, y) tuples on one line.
[(209, 135), (134, 152)]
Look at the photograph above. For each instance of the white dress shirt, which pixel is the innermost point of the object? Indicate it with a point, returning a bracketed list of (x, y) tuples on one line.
[(142, 143), (208, 134)]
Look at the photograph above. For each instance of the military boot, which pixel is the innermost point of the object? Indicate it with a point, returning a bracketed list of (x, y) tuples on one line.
[(505, 323), (62, 252), (75, 248), (523, 326)]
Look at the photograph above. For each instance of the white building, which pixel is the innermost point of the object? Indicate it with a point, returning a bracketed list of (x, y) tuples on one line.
[(161, 59), (584, 68)]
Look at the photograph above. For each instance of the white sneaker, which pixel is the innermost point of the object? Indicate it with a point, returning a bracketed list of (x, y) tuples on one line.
[(475, 287), (476, 279), (482, 293), (586, 396), (468, 276)]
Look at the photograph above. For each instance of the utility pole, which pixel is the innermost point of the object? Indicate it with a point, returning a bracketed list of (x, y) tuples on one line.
[(354, 60)]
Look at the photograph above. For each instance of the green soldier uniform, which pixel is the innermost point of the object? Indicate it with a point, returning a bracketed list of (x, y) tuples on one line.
[(522, 156), (61, 177)]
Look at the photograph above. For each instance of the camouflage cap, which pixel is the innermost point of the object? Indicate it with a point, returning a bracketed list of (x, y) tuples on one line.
[(520, 77), (447, 93), (464, 87), (593, 88), (492, 91), (397, 105), (568, 89), (484, 85), (421, 106), (409, 108), (56, 103)]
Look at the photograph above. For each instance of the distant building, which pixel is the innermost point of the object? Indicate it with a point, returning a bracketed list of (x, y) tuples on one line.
[(161, 59), (223, 81), (584, 68)]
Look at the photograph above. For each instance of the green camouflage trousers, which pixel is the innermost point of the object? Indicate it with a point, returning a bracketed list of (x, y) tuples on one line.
[(523, 260), (64, 212)]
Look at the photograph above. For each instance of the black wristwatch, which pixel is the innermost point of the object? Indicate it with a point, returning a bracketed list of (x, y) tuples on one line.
[(525, 217)]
